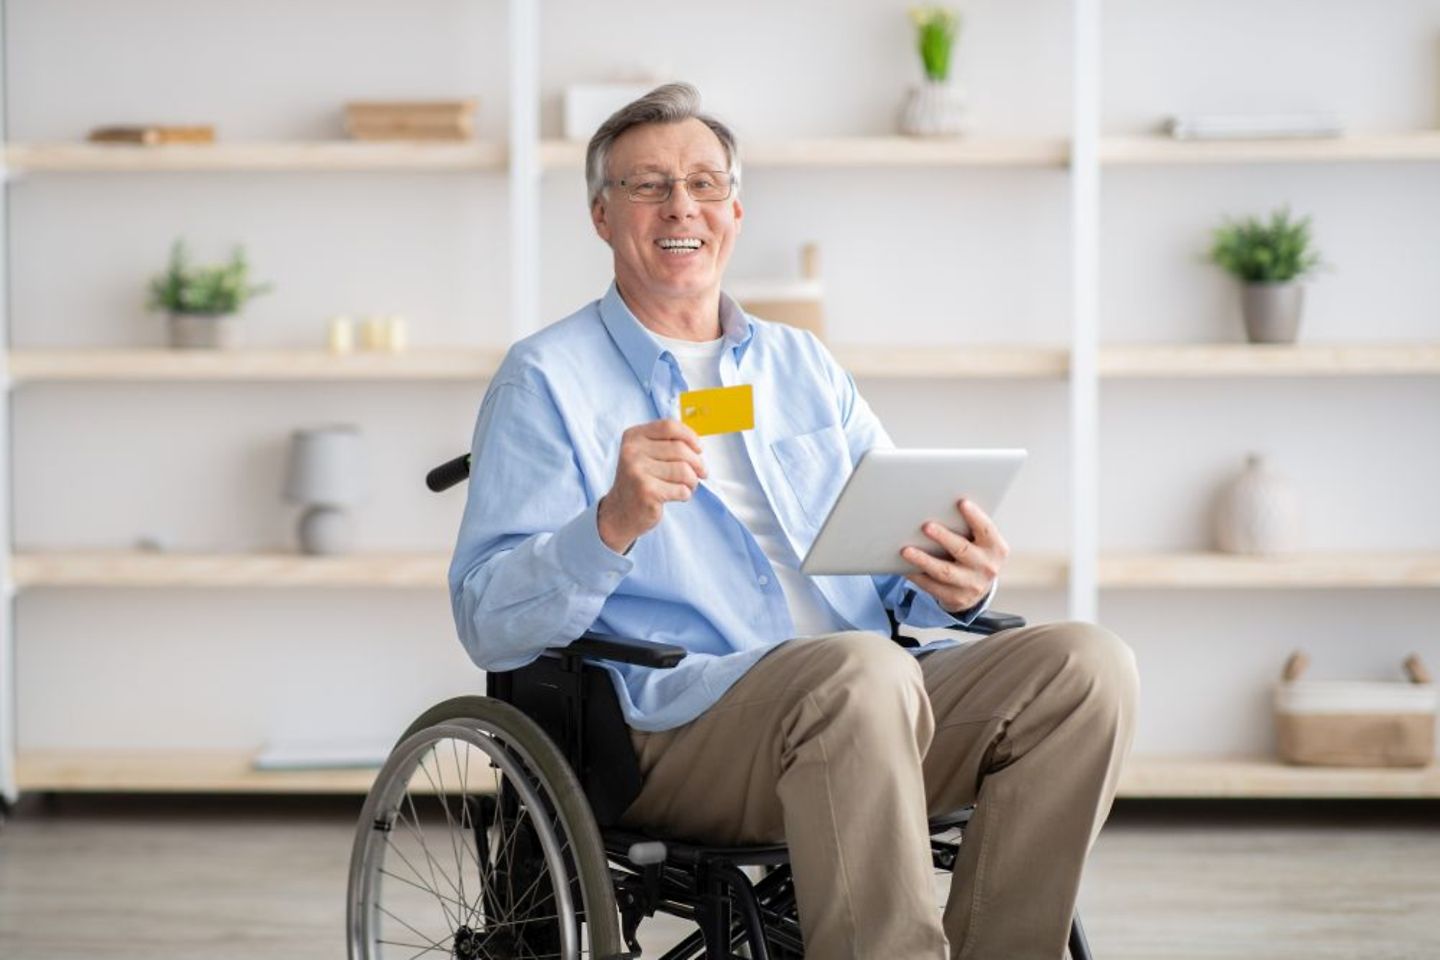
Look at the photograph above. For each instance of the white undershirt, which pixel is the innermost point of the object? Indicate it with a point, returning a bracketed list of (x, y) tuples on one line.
[(732, 478)]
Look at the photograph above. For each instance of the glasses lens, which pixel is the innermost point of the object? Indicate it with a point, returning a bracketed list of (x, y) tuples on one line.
[(710, 185), (648, 189)]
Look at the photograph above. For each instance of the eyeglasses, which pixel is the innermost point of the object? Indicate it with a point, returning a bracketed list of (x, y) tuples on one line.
[(706, 186)]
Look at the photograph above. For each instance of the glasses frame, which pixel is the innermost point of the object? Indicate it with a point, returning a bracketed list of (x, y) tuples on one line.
[(627, 183)]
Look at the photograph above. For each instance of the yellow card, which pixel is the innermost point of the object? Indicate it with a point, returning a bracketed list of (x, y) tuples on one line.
[(719, 410)]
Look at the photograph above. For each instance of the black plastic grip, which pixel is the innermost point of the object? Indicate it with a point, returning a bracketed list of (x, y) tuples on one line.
[(448, 473)]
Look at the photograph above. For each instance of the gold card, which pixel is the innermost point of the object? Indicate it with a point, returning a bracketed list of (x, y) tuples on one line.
[(718, 410)]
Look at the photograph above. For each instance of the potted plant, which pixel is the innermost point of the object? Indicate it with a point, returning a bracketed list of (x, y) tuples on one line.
[(1269, 259), (936, 107), (203, 301)]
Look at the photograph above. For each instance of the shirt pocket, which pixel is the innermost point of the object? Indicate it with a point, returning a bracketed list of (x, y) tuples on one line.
[(815, 465)]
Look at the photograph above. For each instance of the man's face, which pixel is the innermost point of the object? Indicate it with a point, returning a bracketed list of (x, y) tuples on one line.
[(635, 230)]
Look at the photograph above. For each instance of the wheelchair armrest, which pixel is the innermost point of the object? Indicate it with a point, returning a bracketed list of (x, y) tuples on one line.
[(643, 653), (993, 622)]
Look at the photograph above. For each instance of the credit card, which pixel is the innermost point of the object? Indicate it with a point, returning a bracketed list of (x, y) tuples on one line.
[(718, 410)]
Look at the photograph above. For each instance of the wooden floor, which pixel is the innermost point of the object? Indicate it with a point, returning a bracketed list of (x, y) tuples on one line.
[(165, 880)]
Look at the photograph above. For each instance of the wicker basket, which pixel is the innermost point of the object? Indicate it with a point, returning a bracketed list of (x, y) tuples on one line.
[(1356, 724)]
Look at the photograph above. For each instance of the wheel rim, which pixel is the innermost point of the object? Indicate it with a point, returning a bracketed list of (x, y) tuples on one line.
[(436, 870)]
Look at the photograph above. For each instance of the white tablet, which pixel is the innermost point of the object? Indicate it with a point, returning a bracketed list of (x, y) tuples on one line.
[(892, 493)]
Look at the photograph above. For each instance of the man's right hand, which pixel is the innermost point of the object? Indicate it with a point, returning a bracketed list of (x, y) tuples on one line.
[(659, 462)]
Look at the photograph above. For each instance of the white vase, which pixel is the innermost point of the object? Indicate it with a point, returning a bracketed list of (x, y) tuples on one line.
[(1258, 513), (934, 109)]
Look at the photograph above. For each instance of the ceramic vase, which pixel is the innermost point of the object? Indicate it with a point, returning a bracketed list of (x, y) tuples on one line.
[(1258, 513), (203, 331), (1272, 311), (934, 109)]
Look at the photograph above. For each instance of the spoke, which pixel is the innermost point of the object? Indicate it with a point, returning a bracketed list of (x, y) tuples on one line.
[(435, 944), (418, 832), (412, 946), (396, 876)]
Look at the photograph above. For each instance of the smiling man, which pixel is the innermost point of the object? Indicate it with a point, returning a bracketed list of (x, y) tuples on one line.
[(794, 717)]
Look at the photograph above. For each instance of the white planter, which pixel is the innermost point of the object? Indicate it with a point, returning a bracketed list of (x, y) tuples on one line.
[(191, 331), (1258, 513), (934, 110)]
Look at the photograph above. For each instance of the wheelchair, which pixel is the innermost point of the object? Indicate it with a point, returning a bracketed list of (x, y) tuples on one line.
[(493, 829)]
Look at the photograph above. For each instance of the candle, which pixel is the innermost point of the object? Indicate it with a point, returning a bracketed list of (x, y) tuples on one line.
[(340, 335)]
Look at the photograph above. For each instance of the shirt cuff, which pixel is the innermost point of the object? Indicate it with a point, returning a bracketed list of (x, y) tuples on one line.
[(923, 610), (584, 556)]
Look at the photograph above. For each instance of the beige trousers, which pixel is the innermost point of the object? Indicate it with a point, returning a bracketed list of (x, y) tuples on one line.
[(841, 745)]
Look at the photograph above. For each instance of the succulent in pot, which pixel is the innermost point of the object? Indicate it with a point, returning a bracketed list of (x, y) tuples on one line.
[(203, 301)]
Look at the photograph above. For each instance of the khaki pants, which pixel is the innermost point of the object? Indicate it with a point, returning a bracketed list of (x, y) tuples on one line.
[(841, 745)]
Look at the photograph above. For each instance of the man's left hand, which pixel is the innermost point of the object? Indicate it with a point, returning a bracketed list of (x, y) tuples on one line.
[(963, 580)]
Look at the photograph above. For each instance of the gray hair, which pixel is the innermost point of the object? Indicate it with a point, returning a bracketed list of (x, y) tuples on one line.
[(670, 103)]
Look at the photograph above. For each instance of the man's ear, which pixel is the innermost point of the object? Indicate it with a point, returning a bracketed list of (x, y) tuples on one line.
[(597, 217), (739, 215)]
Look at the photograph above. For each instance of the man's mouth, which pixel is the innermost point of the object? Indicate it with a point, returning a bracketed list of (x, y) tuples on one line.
[(678, 245)]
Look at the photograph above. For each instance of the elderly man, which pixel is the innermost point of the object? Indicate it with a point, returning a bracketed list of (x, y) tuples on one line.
[(794, 716)]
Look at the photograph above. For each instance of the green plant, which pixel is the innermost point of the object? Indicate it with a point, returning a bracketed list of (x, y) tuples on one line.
[(1259, 252), (207, 291), (935, 29)]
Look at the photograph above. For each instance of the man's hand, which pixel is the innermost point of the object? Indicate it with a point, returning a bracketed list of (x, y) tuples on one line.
[(962, 581), (659, 462)]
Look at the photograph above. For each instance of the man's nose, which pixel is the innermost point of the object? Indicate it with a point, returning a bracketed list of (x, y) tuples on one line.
[(680, 204)]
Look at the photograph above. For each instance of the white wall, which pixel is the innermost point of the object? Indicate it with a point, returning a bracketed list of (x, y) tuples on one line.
[(956, 256)]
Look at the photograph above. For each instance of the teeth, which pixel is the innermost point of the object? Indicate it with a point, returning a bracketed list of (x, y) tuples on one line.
[(679, 243)]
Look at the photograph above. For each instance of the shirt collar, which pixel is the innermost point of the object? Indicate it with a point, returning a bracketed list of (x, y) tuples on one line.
[(642, 351)]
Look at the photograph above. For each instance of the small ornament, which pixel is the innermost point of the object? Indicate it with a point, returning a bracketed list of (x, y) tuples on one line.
[(340, 334), (396, 335), (372, 333)]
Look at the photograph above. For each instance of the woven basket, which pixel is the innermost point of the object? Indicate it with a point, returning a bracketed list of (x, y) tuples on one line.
[(1356, 723)]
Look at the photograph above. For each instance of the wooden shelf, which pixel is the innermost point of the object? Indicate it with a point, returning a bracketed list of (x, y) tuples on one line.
[(1258, 778), (1225, 571), (336, 155), (1157, 150), (1138, 361), (864, 152), (461, 363), (1135, 361), (131, 569), (964, 362), (196, 771), (175, 771), (878, 151)]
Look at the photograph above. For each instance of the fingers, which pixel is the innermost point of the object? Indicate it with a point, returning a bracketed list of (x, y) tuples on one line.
[(669, 430), (983, 529), (951, 597)]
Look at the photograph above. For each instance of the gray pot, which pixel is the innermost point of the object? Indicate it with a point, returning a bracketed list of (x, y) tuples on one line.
[(1272, 311), (200, 331)]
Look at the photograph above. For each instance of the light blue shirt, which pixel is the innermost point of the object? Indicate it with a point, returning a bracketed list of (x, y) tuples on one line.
[(530, 570)]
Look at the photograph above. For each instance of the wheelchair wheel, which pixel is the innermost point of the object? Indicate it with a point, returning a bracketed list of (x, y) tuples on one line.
[(476, 841)]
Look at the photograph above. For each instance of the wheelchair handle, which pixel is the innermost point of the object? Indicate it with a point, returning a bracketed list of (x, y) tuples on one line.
[(449, 473)]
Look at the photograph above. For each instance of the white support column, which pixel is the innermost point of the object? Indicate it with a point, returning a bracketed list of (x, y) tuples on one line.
[(525, 169), (8, 788), (1085, 323)]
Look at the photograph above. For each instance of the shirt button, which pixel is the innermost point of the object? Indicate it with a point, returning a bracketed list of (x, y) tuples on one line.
[(764, 580)]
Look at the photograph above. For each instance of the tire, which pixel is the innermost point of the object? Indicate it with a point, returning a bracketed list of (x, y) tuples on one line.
[(468, 868)]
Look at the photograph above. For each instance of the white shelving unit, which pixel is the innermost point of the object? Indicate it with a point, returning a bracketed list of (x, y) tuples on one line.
[(524, 158)]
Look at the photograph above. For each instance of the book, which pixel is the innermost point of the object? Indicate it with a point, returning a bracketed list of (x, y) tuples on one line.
[(153, 134), (1259, 126)]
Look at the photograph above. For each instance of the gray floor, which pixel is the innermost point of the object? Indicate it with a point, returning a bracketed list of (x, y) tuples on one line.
[(125, 878)]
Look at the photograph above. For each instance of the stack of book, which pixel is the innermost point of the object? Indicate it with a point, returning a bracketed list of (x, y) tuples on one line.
[(411, 120), (153, 134)]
